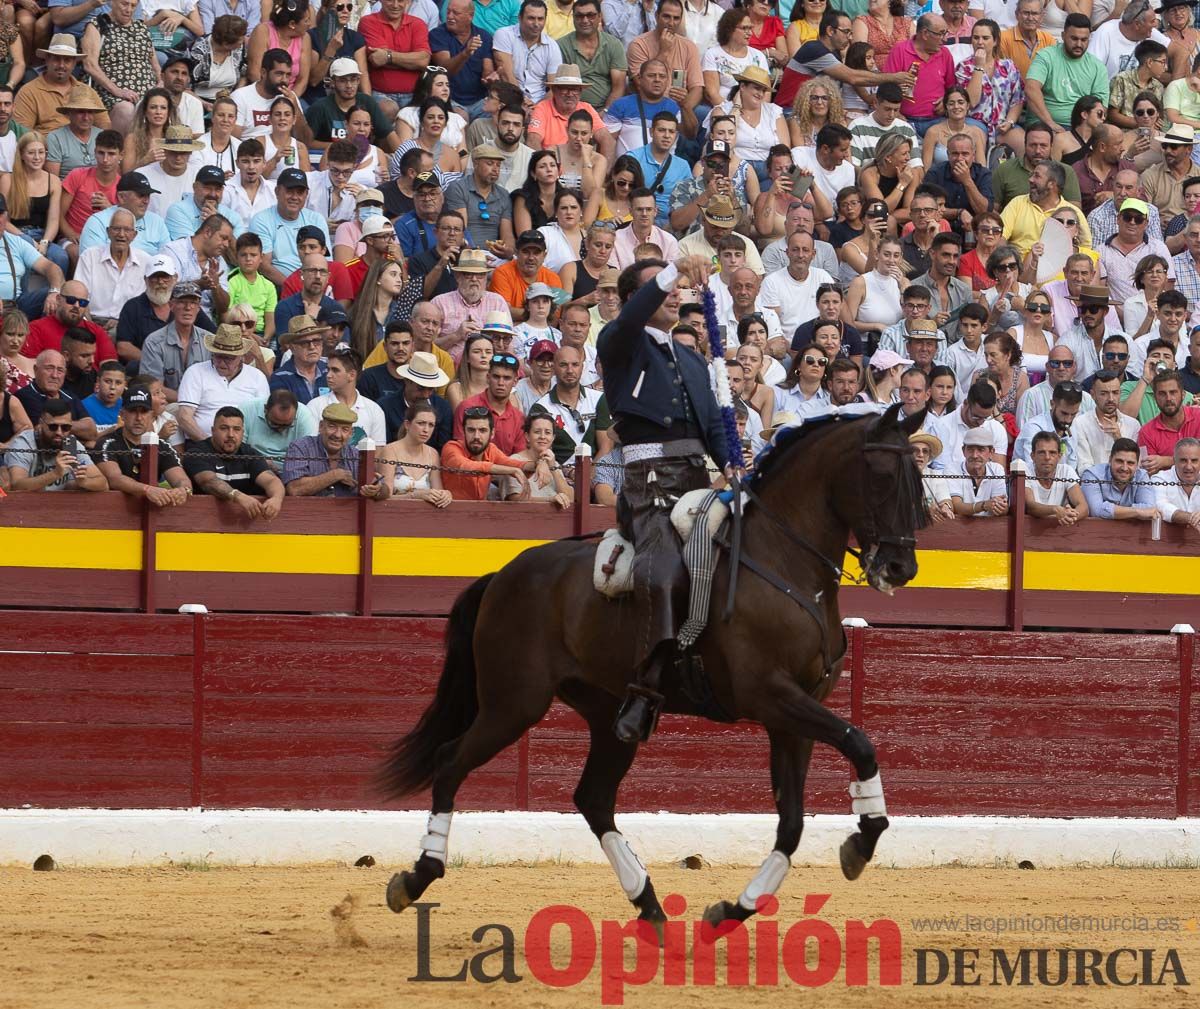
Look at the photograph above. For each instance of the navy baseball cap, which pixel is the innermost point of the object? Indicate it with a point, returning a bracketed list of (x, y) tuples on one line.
[(135, 182), (335, 316), (292, 178), (211, 175), (310, 231)]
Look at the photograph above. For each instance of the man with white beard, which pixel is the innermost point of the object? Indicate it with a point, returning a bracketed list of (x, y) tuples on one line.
[(151, 311)]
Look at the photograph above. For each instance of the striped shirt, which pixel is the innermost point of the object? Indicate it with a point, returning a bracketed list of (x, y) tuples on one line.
[(865, 133)]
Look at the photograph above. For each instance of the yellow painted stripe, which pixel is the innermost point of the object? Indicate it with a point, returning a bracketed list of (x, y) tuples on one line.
[(446, 557), (1141, 573), (258, 553), (953, 569), (112, 549)]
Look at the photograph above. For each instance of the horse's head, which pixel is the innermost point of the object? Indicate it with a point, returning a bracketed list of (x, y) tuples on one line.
[(887, 507)]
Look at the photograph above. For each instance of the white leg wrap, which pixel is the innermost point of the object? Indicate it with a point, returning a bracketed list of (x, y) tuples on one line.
[(631, 874), (767, 880), (867, 797), (437, 841)]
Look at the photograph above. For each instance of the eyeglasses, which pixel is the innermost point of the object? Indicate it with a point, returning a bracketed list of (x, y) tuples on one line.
[(818, 98), (506, 360), (58, 427), (1039, 308), (483, 211), (1132, 216), (585, 15), (938, 35), (992, 230), (70, 299), (341, 173), (433, 68), (1006, 267), (822, 361), (1115, 355), (314, 271), (924, 210), (1060, 365), (476, 413)]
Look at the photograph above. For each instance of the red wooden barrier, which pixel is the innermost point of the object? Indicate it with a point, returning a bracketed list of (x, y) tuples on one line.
[(227, 711)]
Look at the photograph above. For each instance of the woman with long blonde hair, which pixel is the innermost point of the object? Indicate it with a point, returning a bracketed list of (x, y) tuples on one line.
[(154, 113), (34, 196), (379, 302), (818, 103)]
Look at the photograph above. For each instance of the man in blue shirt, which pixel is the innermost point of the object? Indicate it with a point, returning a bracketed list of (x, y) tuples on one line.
[(465, 50), (1120, 489), (279, 227), (417, 230), (133, 194), (662, 169), (629, 118), (209, 186)]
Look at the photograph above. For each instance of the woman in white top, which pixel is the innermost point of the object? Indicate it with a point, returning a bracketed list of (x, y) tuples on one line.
[(1054, 14), (760, 123), (872, 303), (564, 238), (1150, 279), (753, 331), (730, 56), (370, 158), (435, 84), (1031, 335), (410, 463), (220, 145), (279, 142), (539, 436)]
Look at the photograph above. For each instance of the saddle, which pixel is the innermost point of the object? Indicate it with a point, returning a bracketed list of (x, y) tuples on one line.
[(612, 572)]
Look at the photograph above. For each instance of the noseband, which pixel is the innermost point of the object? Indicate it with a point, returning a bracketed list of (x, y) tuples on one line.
[(905, 477)]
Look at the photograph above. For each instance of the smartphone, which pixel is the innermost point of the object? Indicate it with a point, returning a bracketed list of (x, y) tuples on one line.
[(677, 78), (71, 445), (801, 184)]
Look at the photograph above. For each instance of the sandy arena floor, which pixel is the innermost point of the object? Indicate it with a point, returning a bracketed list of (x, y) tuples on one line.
[(214, 937)]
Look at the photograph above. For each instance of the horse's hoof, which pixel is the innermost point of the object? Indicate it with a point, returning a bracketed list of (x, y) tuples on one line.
[(852, 859), (397, 892), (659, 926), (723, 911)]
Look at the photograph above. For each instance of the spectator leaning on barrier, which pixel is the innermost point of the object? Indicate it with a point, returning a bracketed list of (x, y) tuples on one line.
[(40, 459), (119, 455), (1119, 489), (1052, 490), (1176, 490), (228, 469), (980, 490), (325, 464), (481, 460)]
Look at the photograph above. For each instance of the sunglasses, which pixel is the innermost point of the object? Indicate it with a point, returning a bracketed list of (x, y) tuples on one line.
[(1067, 222), (1088, 309), (476, 413), (483, 211), (993, 230), (822, 361), (505, 359), (70, 299), (1132, 217), (58, 427), (1115, 355), (1039, 308), (343, 7), (1060, 365), (1005, 267), (1172, 147), (248, 324), (1145, 112)]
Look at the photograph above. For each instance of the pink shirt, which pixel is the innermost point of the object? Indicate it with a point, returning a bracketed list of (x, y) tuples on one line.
[(1156, 439), (934, 76)]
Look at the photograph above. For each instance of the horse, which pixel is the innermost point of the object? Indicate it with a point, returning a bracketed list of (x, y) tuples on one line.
[(772, 658)]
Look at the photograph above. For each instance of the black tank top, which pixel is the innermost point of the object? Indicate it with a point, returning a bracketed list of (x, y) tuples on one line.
[(585, 283), (6, 424)]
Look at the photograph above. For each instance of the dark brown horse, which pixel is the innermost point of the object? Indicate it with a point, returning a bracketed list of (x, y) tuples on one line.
[(773, 661)]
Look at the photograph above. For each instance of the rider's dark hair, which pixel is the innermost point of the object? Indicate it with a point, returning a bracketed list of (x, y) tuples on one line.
[(630, 279)]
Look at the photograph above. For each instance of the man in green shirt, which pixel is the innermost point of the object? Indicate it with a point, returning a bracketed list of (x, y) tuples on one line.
[(1059, 76), (272, 424), (327, 118), (1011, 178), (599, 56)]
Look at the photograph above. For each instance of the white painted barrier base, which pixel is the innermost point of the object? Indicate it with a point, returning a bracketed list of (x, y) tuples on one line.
[(90, 837)]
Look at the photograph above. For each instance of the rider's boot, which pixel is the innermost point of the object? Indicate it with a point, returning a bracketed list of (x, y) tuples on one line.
[(639, 712)]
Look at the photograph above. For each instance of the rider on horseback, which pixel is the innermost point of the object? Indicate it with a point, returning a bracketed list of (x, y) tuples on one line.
[(660, 395)]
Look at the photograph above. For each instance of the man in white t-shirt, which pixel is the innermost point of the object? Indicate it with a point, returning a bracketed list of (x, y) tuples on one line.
[(177, 78), (1113, 42), (1052, 490), (342, 377), (254, 100), (974, 415), (792, 291), (172, 177), (980, 490), (223, 380), (1176, 491), (830, 165)]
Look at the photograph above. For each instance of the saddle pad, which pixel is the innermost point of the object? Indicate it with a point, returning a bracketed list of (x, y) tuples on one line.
[(620, 581), (683, 515)]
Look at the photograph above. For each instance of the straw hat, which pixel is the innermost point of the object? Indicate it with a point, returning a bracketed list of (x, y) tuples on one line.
[(567, 75), (228, 341), (62, 44), (720, 211), (423, 370), (302, 325), (471, 261), (925, 438), (179, 139), (81, 99), (753, 74), (497, 322)]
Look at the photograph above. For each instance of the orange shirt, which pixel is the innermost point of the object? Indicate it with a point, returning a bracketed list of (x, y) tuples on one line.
[(549, 124), (1014, 47), (511, 286), (468, 486)]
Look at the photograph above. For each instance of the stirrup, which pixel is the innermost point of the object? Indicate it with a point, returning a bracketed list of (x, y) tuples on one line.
[(638, 717)]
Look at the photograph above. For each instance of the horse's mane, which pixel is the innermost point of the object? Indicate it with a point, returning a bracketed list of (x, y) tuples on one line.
[(772, 459)]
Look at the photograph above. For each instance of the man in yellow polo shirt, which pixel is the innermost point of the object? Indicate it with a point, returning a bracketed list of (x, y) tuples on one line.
[(1025, 216)]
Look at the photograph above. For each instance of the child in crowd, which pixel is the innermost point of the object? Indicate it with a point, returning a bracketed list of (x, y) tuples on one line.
[(104, 405), (539, 299), (248, 286)]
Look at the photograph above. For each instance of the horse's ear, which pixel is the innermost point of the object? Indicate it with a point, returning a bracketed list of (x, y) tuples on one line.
[(911, 425), (888, 418)]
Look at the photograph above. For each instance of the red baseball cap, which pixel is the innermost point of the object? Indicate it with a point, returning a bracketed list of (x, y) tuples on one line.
[(542, 347)]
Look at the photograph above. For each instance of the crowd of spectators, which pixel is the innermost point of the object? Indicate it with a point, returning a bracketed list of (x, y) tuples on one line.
[(267, 231)]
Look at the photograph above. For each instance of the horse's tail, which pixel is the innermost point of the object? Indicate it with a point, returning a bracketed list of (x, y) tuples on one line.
[(412, 762)]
